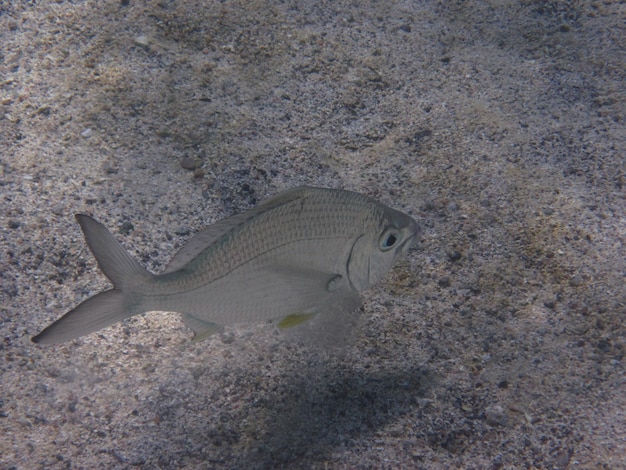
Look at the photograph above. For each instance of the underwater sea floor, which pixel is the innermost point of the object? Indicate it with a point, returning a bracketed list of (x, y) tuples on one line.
[(499, 125)]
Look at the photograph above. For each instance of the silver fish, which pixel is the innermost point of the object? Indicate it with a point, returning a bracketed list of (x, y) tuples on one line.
[(304, 253)]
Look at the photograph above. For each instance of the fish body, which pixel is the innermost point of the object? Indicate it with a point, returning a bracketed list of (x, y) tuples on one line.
[(306, 252)]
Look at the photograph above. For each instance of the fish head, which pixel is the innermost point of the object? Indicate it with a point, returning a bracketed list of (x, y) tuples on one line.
[(375, 251)]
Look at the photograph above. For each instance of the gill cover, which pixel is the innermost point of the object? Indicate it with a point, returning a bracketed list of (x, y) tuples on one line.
[(371, 257)]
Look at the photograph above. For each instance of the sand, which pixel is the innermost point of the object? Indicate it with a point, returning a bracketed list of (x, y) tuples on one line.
[(499, 125)]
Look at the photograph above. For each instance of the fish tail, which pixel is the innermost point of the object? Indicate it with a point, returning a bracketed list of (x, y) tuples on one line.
[(108, 307), (93, 314)]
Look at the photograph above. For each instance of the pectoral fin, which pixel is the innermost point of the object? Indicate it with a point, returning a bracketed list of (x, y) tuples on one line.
[(333, 325), (310, 286)]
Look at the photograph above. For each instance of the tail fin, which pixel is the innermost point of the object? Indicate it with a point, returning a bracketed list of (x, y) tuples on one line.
[(105, 308)]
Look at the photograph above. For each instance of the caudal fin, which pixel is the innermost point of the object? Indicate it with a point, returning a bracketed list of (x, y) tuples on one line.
[(93, 314), (105, 308)]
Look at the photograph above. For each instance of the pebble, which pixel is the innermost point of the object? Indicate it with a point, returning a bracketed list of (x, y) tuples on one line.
[(227, 337), (126, 228), (183, 230), (190, 163), (110, 167), (453, 255), (142, 40), (87, 133), (495, 415), (576, 280)]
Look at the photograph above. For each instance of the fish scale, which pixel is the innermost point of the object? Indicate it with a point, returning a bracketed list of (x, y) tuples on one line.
[(264, 234)]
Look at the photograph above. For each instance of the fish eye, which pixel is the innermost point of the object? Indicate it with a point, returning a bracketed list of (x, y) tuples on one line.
[(389, 239)]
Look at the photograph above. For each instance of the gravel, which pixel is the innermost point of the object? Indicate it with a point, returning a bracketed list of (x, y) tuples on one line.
[(498, 343)]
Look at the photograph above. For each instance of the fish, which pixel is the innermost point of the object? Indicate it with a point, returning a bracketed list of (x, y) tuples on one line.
[(306, 253)]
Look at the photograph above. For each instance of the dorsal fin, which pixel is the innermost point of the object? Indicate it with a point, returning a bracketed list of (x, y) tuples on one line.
[(202, 240)]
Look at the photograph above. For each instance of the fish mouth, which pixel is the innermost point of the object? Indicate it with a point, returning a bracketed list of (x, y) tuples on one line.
[(408, 245), (412, 241)]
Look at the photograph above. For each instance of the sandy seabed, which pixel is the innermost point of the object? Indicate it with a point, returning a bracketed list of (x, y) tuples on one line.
[(499, 125)]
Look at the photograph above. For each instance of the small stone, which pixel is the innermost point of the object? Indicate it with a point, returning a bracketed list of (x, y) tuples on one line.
[(87, 133), (198, 372), (183, 230), (604, 345), (14, 224), (444, 282), (109, 167), (495, 415), (576, 280), (563, 458), (190, 163), (44, 109), (453, 255), (142, 40), (126, 228), (227, 337)]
